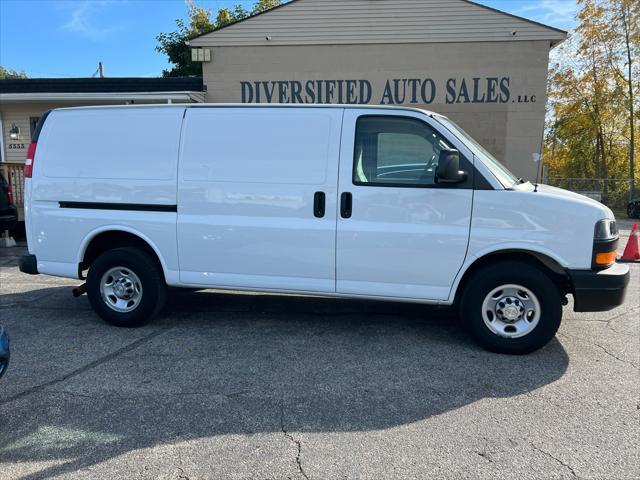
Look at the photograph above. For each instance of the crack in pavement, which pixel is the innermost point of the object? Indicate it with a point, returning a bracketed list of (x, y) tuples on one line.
[(615, 356), (622, 315), (291, 438), (486, 456), (565, 465), (612, 355), (104, 359), (488, 450), (182, 475)]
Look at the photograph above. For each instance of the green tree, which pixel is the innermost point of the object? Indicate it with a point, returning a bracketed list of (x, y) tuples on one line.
[(225, 17), (592, 107), (264, 5), (174, 44), (625, 34), (6, 73), (239, 13)]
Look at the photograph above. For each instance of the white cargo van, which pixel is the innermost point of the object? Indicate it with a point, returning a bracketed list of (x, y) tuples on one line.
[(380, 203)]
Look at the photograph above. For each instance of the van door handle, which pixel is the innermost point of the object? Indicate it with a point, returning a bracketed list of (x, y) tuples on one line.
[(345, 204), (319, 204)]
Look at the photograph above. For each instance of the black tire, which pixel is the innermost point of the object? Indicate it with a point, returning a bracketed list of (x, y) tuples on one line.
[(496, 275), (149, 273)]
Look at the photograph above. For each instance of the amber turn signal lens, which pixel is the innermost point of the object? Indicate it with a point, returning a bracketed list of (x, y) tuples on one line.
[(605, 258)]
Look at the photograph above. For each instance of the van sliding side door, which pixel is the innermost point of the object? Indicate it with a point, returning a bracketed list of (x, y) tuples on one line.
[(257, 190), (400, 234)]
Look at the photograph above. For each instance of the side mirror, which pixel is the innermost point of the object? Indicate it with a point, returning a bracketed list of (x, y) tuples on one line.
[(448, 169)]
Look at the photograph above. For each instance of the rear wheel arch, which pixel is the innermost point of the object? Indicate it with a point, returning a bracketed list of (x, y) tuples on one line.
[(104, 240)]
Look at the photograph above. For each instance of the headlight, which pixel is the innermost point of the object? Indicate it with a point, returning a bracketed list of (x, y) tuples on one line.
[(606, 230), (605, 243)]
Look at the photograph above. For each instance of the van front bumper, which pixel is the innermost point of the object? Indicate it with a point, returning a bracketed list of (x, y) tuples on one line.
[(28, 264), (599, 290)]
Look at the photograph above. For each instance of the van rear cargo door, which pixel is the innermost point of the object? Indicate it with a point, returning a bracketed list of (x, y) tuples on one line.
[(103, 168), (257, 191)]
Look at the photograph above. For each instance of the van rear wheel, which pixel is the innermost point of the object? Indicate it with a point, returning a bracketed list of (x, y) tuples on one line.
[(126, 287), (511, 307)]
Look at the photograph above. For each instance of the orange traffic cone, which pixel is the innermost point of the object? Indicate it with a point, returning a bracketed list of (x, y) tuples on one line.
[(631, 251)]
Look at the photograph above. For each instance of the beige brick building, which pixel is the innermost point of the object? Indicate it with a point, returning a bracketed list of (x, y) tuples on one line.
[(484, 68)]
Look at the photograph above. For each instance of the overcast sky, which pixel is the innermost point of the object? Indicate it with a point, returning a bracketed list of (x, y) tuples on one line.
[(67, 38)]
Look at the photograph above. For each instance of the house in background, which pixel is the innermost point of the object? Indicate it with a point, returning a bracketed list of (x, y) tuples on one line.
[(23, 101)]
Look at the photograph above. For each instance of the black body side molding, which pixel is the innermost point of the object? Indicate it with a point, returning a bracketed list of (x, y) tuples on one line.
[(139, 207)]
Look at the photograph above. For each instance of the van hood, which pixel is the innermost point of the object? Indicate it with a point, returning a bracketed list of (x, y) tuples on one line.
[(575, 198)]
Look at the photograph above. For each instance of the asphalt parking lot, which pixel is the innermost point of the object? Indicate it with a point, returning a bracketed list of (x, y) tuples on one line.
[(263, 386)]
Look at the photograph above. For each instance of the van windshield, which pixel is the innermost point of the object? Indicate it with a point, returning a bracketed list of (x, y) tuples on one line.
[(504, 176)]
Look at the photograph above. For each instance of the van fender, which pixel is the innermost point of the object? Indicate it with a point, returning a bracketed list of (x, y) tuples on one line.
[(505, 247), (121, 228)]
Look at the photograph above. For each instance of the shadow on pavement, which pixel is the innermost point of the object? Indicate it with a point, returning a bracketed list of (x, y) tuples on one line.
[(220, 363)]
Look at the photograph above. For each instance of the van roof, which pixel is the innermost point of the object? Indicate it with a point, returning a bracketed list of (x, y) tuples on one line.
[(255, 105)]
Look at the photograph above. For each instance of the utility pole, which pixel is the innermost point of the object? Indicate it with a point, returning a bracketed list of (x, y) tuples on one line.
[(101, 69)]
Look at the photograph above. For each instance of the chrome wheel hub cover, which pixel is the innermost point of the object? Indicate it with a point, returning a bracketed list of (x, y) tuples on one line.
[(121, 289), (511, 311)]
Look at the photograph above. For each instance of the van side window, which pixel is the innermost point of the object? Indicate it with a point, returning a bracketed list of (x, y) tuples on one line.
[(396, 151)]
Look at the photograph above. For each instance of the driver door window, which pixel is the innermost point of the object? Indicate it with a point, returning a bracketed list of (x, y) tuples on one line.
[(396, 151)]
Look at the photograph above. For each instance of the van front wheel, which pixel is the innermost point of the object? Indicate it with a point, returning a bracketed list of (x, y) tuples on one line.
[(511, 307), (126, 287)]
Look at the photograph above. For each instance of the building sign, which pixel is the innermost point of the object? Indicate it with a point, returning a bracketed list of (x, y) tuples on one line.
[(396, 91)]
